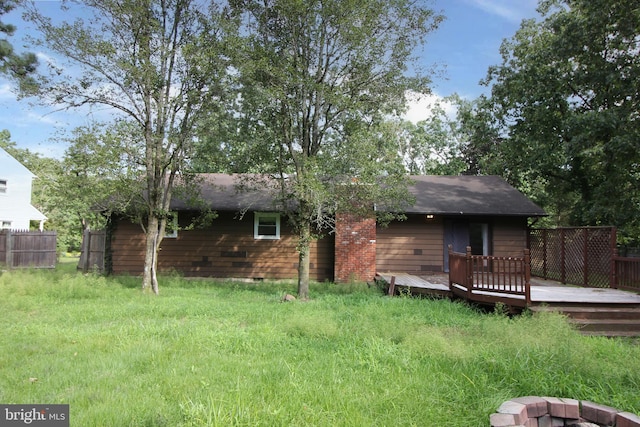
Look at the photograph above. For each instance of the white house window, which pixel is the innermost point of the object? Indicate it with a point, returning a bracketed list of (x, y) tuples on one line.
[(3, 186), (266, 225), (5, 225), (171, 227)]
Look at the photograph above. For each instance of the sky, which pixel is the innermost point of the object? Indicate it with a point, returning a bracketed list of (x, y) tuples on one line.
[(460, 50)]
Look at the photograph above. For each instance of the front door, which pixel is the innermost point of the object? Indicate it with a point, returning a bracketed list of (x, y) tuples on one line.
[(456, 234)]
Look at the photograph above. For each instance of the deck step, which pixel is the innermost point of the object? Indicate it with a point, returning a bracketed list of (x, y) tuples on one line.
[(594, 311), (628, 334), (600, 319), (604, 325)]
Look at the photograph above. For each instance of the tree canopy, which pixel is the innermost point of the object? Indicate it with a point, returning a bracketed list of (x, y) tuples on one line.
[(19, 66), (434, 145), (565, 100), (317, 80), (310, 94), (157, 64)]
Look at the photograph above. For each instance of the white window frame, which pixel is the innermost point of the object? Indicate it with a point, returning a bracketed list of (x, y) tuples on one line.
[(4, 186), (258, 216), (5, 224), (173, 221)]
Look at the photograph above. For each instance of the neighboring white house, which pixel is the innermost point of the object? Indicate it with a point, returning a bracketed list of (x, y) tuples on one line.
[(15, 195)]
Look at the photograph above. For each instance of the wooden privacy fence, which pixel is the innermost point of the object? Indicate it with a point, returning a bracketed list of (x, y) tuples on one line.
[(28, 249), (92, 252), (490, 279), (575, 255)]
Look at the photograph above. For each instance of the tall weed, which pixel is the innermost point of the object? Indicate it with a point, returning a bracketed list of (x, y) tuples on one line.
[(209, 353)]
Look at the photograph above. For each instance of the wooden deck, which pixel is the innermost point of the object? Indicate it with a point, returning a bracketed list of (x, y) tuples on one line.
[(593, 311), (572, 294), (542, 291), (417, 284)]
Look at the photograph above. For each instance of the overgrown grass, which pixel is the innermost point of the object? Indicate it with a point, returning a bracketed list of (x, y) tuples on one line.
[(208, 353)]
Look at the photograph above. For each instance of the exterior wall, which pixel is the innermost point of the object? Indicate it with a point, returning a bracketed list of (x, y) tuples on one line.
[(355, 248), (417, 245), (509, 236), (357, 251), (412, 246), (15, 202), (225, 249)]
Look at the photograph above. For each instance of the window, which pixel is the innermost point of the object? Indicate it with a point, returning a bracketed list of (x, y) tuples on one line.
[(266, 226), (5, 225), (3, 186), (171, 228), (479, 238)]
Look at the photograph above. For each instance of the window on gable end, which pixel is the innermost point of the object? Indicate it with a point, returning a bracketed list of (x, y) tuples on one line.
[(266, 225), (3, 186)]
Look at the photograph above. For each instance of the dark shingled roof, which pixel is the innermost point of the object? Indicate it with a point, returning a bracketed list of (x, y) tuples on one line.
[(223, 192), (469, 195), (438, 195)]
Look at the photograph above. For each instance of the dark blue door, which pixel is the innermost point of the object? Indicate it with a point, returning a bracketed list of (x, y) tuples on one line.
[(456, 233)]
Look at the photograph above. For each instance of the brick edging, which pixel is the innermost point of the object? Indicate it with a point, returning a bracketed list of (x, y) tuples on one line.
[(534, 411)]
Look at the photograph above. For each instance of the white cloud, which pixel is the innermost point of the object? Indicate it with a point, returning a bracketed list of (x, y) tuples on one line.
[(420, 106), (43, 119), (511, 10), (47, 59), (53, 150), (6, 91), (29, 118)]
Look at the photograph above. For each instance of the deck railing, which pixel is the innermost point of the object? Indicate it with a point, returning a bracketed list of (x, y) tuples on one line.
[(626, 273), (490, 278)]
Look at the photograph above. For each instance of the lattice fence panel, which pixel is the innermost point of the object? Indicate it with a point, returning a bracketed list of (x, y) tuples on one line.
[(600, 246), (554, 257), (537, 250), (579, 256), (574, 257)]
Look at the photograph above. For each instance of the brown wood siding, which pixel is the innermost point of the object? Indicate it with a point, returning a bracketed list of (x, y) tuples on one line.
[(225, 249), (415, 245), (509, 236)]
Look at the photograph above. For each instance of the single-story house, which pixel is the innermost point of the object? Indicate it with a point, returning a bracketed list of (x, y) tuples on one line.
[(251, 239)]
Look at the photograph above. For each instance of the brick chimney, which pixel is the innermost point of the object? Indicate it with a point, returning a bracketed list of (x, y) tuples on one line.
[(355, 248)]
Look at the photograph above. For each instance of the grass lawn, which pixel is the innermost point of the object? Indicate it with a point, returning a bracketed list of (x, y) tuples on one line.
[(207, 353)]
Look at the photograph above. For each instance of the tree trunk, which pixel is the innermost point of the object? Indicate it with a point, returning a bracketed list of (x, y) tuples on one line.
[(304, 249), (149, 278)]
